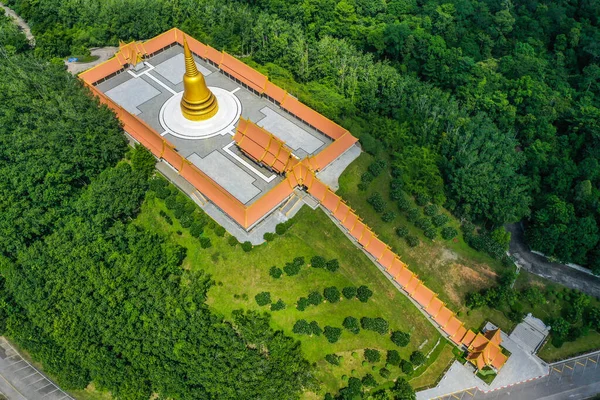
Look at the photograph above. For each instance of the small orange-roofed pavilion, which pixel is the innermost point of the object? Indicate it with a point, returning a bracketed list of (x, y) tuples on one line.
[(485, 351)]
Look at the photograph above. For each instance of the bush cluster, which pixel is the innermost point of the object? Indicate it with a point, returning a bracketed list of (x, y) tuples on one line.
[(440, 220), (363, 293), (351, 324), (349, 292), (293, 268), (388, 216), (400, 339), (302, 304), (377, 324), (406, 367), (232, 240), (393, 357), (318, 262), (412, 240), (372, 355), (401, 231), (283, 227), (332, 334), (302, 327), (278, 305), (263, 298), (333, 359), (377, 202), (331, 294), (275, 272), (315, 298), (449, 233), (269, 236), (417, 358), (377, 167), (247, 246)]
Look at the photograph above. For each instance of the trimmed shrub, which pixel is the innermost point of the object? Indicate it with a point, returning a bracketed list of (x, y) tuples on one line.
[(315, 329), (171, 202), (440, 219), (362, 186), (269, 236), (377, 202), (302, 304), (205, 242), (315, 298), (363, 293), (393, 357), (422, 199), (430, 210), (412, 240), (263, 298), (384, 372), (351, 324), (372, 355), (247, 246), (331, 294), (401, 231), (301, 327), (449, 233), (196, 229), (299, 261), (417, 358), (349, 292), (423, 223), (430, 233), (333, 359), (396, 193), (400, 339), (377, 324), (388, 216), (318, 262), (219, 231), (413, 214), (366, 178), (281, 228), (292, 268), (377, 167), (406, 367), (333, 265), (403, 204), (279, 305), (369, 381), (232, 241), (275, 272), (332, 334)]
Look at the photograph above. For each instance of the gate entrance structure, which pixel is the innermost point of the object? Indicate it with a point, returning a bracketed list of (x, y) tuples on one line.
[(248, 178)]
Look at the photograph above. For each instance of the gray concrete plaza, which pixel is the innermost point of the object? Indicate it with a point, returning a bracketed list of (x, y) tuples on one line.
[(522, 365), (19, 380), (144, 93)]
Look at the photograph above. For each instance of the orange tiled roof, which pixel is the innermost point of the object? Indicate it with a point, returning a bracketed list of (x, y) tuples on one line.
[(468, 338), (485, 350), (262, 146)]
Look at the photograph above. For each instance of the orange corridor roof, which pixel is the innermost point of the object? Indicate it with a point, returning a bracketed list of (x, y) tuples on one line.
[(262, 146)]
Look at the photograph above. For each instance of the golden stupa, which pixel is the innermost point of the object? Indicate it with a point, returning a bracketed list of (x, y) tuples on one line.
[(198, 102)]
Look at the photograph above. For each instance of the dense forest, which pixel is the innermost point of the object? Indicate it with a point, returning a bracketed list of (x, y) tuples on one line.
[(91, 294), (490, 108)]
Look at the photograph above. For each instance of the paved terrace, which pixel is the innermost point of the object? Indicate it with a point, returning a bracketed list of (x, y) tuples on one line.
[(144, 92)]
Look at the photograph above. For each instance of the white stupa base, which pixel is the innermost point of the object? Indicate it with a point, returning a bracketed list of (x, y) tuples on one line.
[(223, 122)]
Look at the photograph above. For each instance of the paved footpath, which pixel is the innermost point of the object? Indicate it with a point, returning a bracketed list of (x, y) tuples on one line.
[(19, 380), (574, 379), (19, 21)]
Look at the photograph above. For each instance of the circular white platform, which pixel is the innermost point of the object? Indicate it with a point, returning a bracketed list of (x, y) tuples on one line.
[(223, 122)]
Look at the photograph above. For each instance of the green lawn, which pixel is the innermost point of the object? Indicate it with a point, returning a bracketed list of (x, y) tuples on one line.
[(239, 276), (450, 268), (84, 59), (431, 375)]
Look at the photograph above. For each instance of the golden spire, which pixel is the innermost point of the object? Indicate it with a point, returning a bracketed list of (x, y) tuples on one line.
[(198, 102)]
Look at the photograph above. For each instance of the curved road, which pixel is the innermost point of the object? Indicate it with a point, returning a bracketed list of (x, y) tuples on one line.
[(20, 22), (539, 265)]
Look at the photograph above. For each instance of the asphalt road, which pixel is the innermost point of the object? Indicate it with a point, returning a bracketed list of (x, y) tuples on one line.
[(539, 265), (575, 379)]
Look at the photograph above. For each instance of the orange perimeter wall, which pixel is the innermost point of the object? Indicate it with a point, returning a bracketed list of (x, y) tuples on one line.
[(298, 173)]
